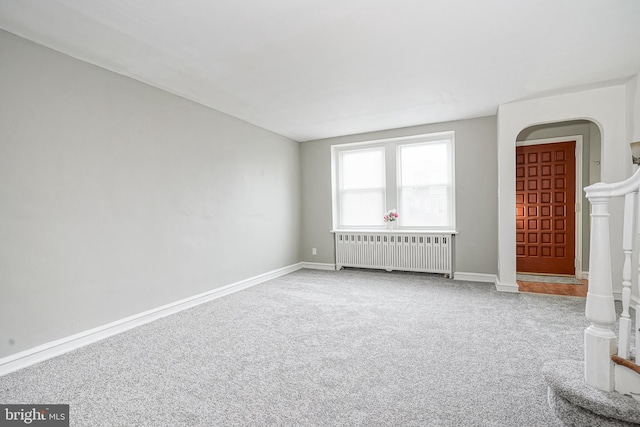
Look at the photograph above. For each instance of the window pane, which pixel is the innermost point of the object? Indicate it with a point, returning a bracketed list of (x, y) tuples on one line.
[(362, 187), (362, 208), (362, 169), (424, 190), (425, 206), (424, 164)]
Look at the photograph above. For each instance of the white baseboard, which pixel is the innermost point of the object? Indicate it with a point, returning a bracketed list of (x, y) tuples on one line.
[(318, 265), (475, 277), (58, 347), (507, 287), (582, 275), (489, 278)]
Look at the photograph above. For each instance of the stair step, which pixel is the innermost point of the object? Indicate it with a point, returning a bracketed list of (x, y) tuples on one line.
[(577, 404)]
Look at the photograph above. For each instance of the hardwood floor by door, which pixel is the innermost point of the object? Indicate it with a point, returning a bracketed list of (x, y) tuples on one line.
[(555, 288)]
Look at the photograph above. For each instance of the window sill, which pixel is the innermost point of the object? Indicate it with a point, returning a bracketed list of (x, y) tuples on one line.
[(395, 231)]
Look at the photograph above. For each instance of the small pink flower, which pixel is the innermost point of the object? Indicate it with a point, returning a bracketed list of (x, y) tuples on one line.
[(391, 216)]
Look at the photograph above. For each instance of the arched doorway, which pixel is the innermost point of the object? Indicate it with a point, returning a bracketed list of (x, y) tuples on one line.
[(554, 162), (606, 106)]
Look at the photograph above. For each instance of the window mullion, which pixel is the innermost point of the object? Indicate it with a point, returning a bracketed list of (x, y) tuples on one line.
[(391, 198)]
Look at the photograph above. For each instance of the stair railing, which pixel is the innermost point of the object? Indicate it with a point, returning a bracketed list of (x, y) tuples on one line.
[(600, 341)]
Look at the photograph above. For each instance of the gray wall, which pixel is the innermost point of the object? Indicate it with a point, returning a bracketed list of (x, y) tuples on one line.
[(117, 197), (591, 157), (476, 192)]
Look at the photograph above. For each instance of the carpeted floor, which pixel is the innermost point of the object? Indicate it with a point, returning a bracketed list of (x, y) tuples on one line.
[(322, 348)]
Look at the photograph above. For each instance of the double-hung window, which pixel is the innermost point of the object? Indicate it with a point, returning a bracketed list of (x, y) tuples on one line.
[(413, 175)]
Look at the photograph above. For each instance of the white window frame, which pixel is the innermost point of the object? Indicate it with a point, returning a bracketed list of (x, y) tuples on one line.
[(392, 173)]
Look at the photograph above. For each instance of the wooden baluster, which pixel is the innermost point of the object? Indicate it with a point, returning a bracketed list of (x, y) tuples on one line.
[(599, 339), (624, 340)]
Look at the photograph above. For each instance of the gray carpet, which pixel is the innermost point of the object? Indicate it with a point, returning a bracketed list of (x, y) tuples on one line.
[(322, 348)]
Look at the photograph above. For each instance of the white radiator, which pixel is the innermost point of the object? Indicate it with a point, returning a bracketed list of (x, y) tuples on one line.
[(426, 252)]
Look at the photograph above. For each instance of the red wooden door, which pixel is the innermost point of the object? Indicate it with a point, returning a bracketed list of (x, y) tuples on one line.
[(545, 208)]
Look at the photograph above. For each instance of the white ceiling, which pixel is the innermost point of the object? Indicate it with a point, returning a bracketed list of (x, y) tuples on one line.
[(311, 69)]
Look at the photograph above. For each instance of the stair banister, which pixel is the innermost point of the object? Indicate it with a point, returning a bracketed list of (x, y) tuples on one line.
[(600, 341), (618, 189), (624, 340)]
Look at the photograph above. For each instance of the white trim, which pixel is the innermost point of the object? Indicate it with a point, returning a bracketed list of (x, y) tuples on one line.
[(475, 277), (579, 196), (396, 231), (543, 141), (318, 266), (583, 275), (507, 287), (489, 278), (58, 347), (426, 136)]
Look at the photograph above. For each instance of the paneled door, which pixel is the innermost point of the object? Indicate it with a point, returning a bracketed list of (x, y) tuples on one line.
[(545, 208)]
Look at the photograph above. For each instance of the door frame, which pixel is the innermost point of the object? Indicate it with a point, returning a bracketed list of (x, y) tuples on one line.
[(577, 263)]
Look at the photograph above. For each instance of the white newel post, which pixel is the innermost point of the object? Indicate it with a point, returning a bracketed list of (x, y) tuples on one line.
[(599, 339)]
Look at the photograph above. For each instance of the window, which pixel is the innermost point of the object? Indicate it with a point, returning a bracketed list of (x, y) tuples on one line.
[(413, 175), (362, 187)]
